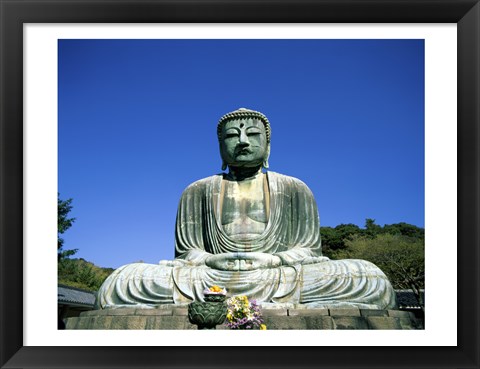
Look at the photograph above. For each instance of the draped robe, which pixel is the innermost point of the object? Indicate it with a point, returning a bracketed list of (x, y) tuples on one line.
[(292, 233)]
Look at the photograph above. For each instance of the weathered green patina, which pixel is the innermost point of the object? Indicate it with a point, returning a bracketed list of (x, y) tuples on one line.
[(255, 232)]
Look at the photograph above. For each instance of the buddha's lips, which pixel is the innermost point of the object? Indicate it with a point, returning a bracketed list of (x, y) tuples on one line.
[(244, 152)]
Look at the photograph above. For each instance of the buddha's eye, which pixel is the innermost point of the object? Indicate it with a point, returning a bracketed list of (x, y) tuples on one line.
[(231, 134), (253, 132)]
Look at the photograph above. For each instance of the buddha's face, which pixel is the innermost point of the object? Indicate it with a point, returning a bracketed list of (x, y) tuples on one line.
[(243, 142)]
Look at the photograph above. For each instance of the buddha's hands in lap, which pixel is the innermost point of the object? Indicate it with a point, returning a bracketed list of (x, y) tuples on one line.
[(243, 261)]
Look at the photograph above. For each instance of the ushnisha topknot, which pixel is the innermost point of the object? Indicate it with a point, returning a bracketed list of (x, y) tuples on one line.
[(243, 113)]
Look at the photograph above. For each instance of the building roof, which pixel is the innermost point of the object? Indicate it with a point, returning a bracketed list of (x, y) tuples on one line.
[(75, 296), (406, 299)]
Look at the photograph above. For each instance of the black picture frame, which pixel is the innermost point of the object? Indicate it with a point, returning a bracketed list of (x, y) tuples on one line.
[(14, 13)]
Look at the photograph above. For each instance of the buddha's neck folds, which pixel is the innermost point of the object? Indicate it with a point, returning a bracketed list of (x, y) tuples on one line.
[(243, 173)]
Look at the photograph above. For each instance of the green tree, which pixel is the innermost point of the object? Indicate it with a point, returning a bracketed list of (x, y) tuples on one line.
[(333, 239), (82, 274), (405, 229), (64, 223), (372, 229), (330, 239), (401, 258), (75, 272)]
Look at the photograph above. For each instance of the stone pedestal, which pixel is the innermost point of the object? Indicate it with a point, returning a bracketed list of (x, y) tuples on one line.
[(174, 317)]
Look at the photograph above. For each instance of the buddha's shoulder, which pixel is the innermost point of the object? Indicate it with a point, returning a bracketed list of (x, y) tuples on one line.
[(201, 184), (286, 179)]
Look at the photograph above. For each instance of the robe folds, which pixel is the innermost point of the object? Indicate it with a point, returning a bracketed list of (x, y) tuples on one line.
[(292, 233)]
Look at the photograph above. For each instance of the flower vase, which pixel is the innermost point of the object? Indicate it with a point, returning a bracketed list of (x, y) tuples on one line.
[(208, 314)]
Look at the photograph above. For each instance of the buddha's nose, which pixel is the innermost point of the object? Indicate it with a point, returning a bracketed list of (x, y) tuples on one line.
[(244, 139)]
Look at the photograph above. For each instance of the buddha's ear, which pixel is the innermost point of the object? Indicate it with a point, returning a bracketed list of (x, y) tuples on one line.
[(265, 159), (224, 163)]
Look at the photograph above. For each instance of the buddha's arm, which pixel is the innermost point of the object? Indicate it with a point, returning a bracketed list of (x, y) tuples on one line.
[(190, 226), (299, 255), (302, 246), (195, 257)]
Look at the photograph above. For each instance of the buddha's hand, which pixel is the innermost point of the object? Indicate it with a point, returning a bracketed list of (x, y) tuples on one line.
[(243, 261), (314, 260)]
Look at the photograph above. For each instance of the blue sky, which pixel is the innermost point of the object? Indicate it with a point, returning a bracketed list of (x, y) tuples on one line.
[(137, 124)]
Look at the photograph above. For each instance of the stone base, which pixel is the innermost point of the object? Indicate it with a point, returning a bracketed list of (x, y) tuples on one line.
[(173, 317)]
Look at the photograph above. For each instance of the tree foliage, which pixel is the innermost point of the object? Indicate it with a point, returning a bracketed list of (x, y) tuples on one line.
[(400, 257), (82, 274), (397, 249), (334, 239), (64, 223), (405, 229), (372, 229), (75, 272)]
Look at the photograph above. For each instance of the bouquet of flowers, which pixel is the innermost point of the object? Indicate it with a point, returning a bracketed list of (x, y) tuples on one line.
[(215, 289), (244, 314), (215, 294)]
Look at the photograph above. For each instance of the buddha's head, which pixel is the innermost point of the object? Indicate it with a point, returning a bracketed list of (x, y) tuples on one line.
[(244, 138)]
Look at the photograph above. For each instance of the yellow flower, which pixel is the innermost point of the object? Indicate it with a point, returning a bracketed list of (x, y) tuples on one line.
[(263, 327), (215, 289)]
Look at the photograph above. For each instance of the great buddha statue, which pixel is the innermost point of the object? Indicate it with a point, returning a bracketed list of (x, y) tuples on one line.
[(256, 232)]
